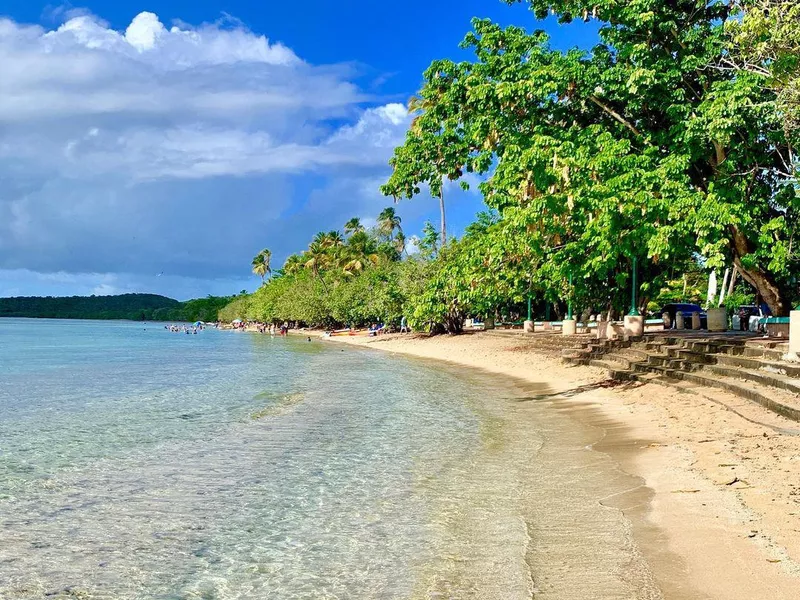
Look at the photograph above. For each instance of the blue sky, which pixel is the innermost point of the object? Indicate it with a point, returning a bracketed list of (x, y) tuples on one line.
[(156, 147)]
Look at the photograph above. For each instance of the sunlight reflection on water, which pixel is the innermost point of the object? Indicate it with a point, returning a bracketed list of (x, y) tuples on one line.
[(135, 463)]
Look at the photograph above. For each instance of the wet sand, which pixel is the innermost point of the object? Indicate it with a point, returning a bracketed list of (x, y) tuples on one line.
[(706, 487)]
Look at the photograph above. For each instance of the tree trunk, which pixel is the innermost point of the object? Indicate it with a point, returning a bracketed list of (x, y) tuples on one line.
[(444, 223), (765, 283)]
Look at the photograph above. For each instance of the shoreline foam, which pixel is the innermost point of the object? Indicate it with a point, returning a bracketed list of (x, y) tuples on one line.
[(718, 512)]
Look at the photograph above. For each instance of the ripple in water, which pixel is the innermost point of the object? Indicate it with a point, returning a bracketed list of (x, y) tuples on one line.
[(140, 464)]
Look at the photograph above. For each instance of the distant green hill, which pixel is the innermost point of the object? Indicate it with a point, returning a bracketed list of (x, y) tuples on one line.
[(136, 307)]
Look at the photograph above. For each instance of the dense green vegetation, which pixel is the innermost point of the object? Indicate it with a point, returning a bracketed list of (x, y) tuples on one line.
[(668, 148), (135, 307), (767, 42), (355, 277)]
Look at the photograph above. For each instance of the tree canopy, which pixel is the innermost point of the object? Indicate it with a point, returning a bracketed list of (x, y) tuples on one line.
[(637, 148), (668, 146)]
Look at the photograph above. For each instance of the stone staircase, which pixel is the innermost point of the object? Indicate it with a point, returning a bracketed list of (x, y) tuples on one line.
[(543, 342), (741, 364)]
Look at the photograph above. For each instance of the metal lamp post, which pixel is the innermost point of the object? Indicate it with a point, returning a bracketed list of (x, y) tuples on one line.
[(634, 288), (569, 299)]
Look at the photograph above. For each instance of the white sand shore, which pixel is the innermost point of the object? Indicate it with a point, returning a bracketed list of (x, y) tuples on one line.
[(718, 513)]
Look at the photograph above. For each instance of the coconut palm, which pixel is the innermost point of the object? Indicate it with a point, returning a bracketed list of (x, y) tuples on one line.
[(334, 239), (357, 264), (353, 226), (400, 242), (317, 257), (361, 250), (293, 264), (388, 222), (261, 263)]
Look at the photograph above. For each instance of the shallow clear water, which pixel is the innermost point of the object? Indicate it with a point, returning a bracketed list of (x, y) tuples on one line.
[(138, 463)]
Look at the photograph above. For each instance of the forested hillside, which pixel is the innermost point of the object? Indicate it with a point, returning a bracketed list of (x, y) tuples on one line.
[(136, 307)]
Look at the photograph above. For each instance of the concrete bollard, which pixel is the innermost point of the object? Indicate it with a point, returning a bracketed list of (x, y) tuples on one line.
[(717, 319), (528, 326), (602, 330), (569, 327), (696, 322), (679, 321), (634, 326), (667, 321), (794, 336), (488, 323)]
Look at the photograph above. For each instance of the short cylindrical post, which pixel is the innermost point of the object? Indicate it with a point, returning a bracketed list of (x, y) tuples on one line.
[(569, 325)]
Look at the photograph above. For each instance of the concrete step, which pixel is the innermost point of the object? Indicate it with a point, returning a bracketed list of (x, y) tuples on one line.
[(632, 353), (765, 353), (778, 401), (758, 364), (764, 378), (691, 356), (669, 362), (615, 361)]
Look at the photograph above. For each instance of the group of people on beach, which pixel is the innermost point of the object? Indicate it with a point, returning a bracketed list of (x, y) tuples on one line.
[(189, 330), (270, 328)]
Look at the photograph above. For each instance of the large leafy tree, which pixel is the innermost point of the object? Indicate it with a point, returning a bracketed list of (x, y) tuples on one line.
[(635, 150), (767, 39)]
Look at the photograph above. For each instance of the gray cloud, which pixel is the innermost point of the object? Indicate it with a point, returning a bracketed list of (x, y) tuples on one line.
[(182, 149)]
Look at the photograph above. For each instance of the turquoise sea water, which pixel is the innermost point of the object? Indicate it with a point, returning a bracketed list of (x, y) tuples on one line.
[(139, 463)]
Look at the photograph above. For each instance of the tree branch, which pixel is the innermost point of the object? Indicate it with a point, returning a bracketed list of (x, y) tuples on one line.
[(615, 115)]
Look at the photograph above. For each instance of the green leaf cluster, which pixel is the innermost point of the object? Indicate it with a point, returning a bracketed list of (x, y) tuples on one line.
[(641, 148)]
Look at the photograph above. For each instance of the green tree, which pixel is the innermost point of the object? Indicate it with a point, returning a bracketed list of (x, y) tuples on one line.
[(293, 264), (361, 251), (389, 222), (261, 263), (634, 150), (353, 226), (767, 43), (434, 150), (317, 257)]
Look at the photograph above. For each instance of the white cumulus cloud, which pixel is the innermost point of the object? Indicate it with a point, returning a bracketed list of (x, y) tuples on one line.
[(176, 148)]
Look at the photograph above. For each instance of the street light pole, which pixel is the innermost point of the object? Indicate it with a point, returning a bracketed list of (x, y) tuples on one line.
[(634, 310), (569, 299)]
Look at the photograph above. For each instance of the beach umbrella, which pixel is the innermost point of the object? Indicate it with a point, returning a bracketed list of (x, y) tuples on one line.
[(236, 321)]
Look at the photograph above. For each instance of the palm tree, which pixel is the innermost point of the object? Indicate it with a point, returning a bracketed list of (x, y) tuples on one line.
[(261, 263), (293, 264), (353, 226), (400, 242), (357, 263), (388, 221), (334, 239), (360, 251), (317, 257)]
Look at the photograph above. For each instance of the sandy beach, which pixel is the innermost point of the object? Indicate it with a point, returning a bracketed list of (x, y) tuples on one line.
[(715, 504)]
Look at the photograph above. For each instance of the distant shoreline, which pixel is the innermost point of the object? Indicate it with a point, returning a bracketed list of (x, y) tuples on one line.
[(700, 535)]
